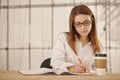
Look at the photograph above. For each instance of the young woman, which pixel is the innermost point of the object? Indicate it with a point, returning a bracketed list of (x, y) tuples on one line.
[(74, 50)]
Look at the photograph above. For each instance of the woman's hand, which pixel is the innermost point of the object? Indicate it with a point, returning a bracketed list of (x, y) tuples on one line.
[(77, 68)]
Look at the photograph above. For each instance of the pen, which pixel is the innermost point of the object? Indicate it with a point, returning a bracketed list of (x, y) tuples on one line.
[(80, 61)]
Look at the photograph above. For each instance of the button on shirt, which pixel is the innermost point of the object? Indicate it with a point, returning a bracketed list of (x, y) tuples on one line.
[(63, 56)]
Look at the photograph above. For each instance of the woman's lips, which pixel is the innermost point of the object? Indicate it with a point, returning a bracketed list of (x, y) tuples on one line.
[(84, 31)]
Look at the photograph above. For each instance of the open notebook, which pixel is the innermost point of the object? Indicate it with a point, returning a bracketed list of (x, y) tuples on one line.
[(50, 71)]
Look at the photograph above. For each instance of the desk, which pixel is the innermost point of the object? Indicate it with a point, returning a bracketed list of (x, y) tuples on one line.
[(12, 75)]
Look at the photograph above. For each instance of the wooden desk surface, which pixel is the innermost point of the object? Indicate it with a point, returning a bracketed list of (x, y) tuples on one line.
[(12, 75)]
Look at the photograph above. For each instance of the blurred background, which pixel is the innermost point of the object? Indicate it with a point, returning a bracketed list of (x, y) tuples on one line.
[(29, 28)]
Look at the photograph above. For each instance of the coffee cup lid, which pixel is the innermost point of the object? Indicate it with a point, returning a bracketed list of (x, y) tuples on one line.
[(101, 55)]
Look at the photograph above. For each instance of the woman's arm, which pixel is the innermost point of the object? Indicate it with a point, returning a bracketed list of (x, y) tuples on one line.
[(59, 54)]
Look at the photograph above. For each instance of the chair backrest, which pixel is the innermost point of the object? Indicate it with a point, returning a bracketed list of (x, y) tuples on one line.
[(46, 63)]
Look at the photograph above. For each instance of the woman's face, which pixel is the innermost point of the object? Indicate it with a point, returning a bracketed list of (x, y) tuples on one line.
[(83, 24)]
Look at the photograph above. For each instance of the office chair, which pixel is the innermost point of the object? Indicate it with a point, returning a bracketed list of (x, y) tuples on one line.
[(46, 63)]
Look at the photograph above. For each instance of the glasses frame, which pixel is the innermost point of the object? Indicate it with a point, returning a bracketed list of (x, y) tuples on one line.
[(85, 23)]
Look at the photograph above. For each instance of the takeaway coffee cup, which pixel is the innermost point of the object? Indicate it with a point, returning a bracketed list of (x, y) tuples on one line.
[(101, 63)]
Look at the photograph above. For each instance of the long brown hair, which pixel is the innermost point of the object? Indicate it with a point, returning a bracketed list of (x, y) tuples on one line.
[(82, 9)]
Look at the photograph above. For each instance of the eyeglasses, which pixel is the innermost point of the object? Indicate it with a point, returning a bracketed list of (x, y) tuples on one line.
[(85, 23)]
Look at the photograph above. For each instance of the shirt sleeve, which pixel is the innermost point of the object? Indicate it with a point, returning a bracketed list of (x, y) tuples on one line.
[(59, 54)]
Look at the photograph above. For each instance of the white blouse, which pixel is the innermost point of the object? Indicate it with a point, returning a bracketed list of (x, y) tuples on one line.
[(63, 55)]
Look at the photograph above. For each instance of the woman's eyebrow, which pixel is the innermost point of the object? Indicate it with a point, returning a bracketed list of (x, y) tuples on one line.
[(83, 21)]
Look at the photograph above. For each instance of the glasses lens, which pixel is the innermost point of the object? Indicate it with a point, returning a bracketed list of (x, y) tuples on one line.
[(77, 24), (87, 23)]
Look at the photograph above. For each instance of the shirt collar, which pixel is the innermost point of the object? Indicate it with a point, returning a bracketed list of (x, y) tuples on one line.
[(77, 40)]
